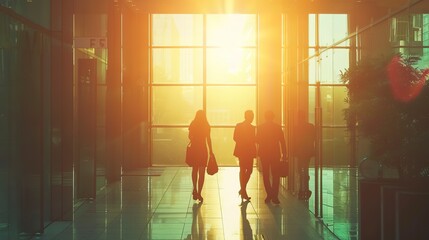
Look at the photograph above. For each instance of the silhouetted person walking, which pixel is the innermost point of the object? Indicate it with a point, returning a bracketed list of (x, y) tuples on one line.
[(304, 146), (199, 135), (245, 150), (271, 148)]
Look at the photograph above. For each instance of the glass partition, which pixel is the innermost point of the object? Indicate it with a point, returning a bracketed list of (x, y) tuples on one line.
[(335, 44), (24, 135)]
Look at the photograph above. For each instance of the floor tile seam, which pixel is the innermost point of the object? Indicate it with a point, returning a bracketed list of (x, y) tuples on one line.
[(324, 225), (178, 171)]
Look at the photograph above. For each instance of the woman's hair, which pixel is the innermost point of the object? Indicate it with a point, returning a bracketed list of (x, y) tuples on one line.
[(201, 118)]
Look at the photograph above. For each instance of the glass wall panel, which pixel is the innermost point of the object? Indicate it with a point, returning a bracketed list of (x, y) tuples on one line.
[(4, 144), (424, 62), (313, 71), (172, 139), (177, 65), (327, 67), (231, 30), (175, 104), (100, 158), (311, 104), (177, 30), (231, 65), (331, 62), (101, 106), (312, 30), (333, 104), (226, 105), (100, 140), (223, 146), (332, 28), (336, 149)]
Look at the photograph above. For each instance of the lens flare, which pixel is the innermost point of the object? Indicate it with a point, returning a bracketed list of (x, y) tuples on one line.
[(406, 82)]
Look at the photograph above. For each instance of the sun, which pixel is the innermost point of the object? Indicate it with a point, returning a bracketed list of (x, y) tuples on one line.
[(230, 33)]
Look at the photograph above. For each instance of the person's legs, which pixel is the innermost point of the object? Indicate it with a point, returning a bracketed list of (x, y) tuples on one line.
[(304, 191), (307, 192), (301, 175), (276, 181), (266, 177), (201, 175), (305, 173), (194, 178), (194, 182), (245, 172), (248, 170), (242, 174)]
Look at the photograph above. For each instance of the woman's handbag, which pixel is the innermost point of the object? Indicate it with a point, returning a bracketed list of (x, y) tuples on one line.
[(189, 158), (212, 167), (284, 168)]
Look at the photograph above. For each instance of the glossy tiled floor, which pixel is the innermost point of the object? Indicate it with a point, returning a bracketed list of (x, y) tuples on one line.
[(156, 203)]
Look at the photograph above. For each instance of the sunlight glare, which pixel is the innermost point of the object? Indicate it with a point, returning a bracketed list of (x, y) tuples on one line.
[(231, 38), (228, 30)]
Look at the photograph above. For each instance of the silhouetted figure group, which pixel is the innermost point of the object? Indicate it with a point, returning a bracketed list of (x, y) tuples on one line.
[(266, 141), (269, 139)]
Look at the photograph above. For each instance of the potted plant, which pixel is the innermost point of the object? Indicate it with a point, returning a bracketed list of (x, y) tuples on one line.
[(389, 105)]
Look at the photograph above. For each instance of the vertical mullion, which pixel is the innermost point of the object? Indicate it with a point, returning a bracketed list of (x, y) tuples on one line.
[(150, 83), (256, 25), (204, 63)]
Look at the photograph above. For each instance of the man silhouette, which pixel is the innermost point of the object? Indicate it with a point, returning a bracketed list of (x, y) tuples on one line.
[(304, 146), (271, 148), (245, 150)]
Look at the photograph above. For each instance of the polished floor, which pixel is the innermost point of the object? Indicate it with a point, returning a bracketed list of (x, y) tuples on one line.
[(156, 203)]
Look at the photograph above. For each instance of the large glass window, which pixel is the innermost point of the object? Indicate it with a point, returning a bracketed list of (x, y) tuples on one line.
[(200, 62), (177, 65)]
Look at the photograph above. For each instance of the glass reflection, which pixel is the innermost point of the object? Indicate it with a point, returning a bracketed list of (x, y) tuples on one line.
[(197, 229), (247, 233)]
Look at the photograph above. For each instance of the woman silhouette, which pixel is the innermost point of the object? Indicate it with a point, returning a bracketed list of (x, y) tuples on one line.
[(199, 135)]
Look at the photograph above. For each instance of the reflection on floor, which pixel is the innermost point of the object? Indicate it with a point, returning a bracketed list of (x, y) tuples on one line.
[(340, 201), (156, 203)]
